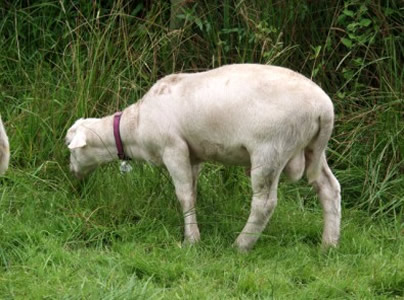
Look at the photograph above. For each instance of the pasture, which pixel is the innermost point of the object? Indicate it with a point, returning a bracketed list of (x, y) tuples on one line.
[(119, 236)]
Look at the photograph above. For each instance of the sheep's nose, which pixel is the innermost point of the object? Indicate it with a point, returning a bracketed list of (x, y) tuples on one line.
[(76, 174)]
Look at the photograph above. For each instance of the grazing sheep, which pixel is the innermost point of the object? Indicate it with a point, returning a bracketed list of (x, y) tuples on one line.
[(4, 149), (269, 119)]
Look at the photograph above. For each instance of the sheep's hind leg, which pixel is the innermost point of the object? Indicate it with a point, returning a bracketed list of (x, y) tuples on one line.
[(264, 181), (329, 192)]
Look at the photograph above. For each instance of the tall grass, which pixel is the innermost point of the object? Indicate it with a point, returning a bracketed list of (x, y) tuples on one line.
[(62, 61), (116, 236)]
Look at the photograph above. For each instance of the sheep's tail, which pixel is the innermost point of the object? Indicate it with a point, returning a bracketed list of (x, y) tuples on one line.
[(4, 149), (315, 150)]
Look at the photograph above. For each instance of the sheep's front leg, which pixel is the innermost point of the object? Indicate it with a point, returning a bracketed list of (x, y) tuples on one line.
[(184, 177), (196, 169)]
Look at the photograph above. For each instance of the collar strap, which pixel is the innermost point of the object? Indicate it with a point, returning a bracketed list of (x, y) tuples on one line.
[(117, 135)]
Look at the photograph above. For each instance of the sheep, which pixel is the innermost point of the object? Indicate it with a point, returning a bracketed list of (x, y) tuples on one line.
[(4, 149), (267, 118)]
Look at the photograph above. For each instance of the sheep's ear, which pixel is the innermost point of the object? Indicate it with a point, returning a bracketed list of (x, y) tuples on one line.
[(78, 141)]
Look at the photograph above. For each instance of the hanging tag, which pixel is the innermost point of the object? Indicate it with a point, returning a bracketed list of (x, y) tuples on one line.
[(125, 167)]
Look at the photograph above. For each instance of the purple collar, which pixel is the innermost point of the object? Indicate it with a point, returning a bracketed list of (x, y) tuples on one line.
[(117, 135)]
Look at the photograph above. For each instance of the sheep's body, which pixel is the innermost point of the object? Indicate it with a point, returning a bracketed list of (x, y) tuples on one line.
[(267, 118), (4, 149)]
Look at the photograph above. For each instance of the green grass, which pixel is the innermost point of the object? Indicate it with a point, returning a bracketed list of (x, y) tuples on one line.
[(123, 240), (119, 236)]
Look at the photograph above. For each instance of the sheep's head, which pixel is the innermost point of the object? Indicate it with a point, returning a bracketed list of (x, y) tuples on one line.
[(82, 158)]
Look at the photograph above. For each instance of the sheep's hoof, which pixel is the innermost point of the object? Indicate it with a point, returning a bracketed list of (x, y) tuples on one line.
[(329, 244), (191, 241), (242, 246)]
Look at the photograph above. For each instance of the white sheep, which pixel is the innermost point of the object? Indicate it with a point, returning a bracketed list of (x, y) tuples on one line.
[(4, 149), (269, 119)]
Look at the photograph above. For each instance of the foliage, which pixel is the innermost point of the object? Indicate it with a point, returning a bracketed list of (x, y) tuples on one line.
[(119, 236), (62, 61)]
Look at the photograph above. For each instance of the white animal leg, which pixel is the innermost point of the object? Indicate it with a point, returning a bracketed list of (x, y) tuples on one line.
[(264, 184), (196, 168), (329, 192), (184, 178)]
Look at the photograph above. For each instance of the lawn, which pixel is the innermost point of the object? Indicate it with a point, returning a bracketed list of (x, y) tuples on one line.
[(119, 236)]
